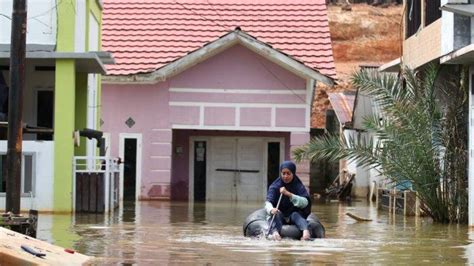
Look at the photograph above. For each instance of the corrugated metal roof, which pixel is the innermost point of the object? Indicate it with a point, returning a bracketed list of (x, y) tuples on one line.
[(343, 105), (145, 35)]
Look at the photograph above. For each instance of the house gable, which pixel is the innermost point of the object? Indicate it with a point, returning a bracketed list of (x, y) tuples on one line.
[(239, 37), (238, 90), (237, 68), (235, 37)]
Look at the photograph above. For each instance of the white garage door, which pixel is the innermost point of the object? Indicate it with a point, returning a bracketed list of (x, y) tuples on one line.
[(236, 169)]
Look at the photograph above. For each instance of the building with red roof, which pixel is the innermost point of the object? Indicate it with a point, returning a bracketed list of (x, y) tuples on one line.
[(207, 97)]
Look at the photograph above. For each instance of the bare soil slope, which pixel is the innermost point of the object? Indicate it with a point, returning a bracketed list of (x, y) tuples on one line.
[(366, 35)]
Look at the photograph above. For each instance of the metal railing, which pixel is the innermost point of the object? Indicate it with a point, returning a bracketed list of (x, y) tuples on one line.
[(107, 170)]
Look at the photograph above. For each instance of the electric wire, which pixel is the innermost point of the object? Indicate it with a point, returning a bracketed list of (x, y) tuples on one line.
[(280, 81), (189, 9)]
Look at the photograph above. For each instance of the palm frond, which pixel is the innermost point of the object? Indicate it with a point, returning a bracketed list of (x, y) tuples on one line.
[(416, 137)]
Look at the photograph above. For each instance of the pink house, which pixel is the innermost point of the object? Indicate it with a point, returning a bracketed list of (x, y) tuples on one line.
[(207, 97)]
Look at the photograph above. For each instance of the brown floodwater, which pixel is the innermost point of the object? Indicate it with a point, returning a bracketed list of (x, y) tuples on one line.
[(161, 233)]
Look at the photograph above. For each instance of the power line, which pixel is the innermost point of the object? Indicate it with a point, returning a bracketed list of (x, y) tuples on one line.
[(3, 15), (38, 15), (41, 22), (279, 80), (215, 11), (47, 11), (200, 15)]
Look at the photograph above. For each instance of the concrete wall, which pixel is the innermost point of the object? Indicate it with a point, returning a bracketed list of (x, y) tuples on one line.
[(362, 174), (424, 46), (447, 30), (43, 165), (462, 31)]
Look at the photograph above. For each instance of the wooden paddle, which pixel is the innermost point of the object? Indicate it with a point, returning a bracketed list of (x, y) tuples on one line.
[(273, 217)]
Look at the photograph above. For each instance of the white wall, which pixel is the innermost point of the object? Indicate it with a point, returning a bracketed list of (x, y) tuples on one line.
[(41, 23), (80, 36), (362, 174), (351, 165), (43, 152), (447, 30), (365, 107)]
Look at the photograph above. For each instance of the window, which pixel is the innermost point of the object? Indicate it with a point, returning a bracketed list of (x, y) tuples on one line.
[(413, 17), (45, 112), (27, 173), (432, 11)]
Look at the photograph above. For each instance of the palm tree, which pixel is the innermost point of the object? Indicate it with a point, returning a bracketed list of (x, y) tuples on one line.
[(419, 136)]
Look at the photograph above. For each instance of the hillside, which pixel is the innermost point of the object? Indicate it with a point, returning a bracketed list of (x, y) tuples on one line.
[(366, 35)]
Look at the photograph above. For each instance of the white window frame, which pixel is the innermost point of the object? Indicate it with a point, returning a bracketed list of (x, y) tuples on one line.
[(33, 175)]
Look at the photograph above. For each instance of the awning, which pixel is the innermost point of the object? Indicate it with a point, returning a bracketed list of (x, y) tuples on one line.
[(461, 56), (343, 105), (41, 55), (461, 9), (392, 66), (222, 43)]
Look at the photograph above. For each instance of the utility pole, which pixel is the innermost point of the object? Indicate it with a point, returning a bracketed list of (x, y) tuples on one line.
[(15, 105)]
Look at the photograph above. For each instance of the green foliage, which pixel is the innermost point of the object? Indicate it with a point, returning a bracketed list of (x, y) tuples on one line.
[(419, 135)]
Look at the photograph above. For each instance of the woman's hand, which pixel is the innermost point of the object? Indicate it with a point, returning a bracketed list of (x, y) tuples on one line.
[(285, 192), (274, 211)]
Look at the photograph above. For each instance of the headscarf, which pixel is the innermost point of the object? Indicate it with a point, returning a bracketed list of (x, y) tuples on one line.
[(295, 186)]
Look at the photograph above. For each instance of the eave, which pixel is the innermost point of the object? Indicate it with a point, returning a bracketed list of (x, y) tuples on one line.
[(232, 38)]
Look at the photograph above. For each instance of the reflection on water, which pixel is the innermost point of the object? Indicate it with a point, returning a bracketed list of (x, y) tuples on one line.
[(178, 233)]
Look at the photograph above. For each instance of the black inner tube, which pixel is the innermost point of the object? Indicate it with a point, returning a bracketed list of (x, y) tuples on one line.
[(255, 225)]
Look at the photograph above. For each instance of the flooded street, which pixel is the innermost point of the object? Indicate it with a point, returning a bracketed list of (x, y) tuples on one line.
[(161, 233)]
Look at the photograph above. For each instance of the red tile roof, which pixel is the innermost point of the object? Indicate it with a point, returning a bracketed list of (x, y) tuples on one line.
[(146, 35)]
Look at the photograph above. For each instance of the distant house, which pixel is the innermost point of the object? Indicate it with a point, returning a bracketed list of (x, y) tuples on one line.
[(62, 93), (350, 125), (441, 31), (208, 97), (364, 106)]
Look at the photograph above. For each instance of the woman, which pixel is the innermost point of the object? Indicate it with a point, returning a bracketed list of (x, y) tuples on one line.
[(295, 205)]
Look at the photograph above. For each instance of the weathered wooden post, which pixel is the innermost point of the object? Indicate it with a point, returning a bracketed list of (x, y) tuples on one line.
[(15, 105)]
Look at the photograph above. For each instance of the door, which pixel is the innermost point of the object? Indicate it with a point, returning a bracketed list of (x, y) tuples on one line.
[(221, 183), (236, 170), (130, 152), (199, 170), (130, 169), (249, 179)]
